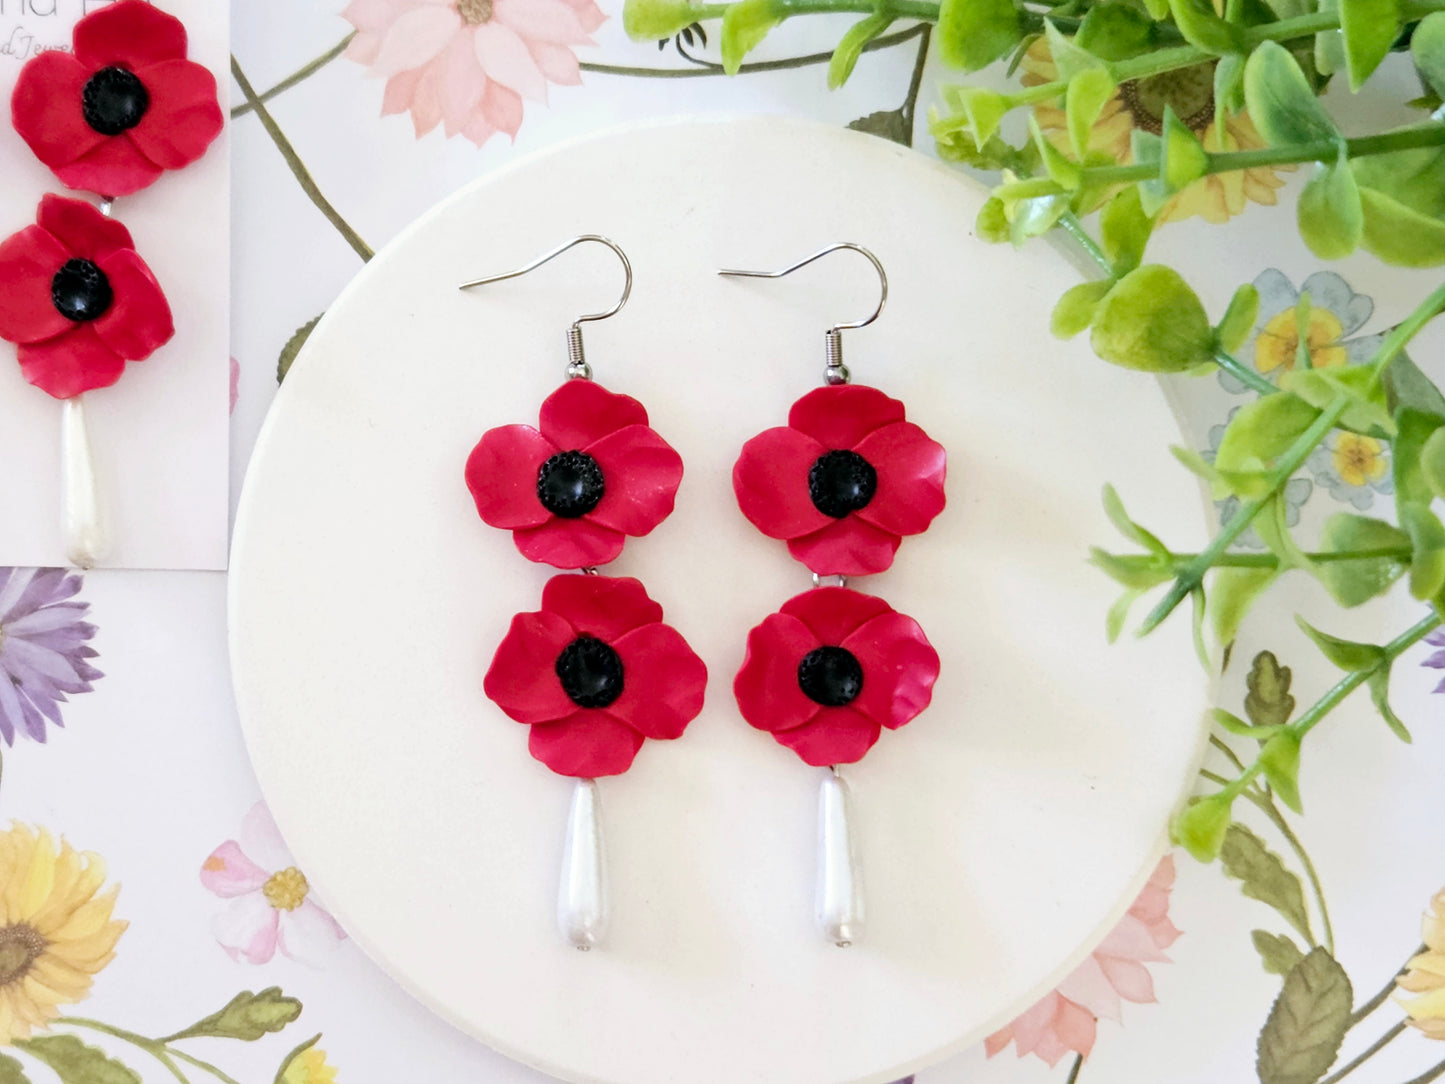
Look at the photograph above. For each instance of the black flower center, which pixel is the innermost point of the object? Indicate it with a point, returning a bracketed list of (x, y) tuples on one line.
[(841, 482), (80, 291), (570, 484), (590, 672), (830, 676), (114, 101)]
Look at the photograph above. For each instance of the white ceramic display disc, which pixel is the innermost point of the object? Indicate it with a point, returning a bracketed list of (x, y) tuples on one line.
[(1002, 832)]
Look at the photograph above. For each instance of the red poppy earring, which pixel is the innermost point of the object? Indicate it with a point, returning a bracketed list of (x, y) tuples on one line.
[(109, 117), (843, 483), (595, 672)]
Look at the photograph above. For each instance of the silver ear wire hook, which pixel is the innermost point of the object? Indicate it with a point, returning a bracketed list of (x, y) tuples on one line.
[(836, 372), (577, 367)]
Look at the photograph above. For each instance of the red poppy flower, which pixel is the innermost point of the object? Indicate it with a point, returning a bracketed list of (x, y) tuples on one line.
[(571, 490), (843, 481), (594, 673), (78, 300), (123, 108), (830, 669)]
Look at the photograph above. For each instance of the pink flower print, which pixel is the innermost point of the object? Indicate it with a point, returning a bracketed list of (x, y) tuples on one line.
[(468, 64), (1065, 1019), (271, 906)]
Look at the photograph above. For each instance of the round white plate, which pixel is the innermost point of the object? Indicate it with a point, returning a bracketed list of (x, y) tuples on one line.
[(1003, 831)]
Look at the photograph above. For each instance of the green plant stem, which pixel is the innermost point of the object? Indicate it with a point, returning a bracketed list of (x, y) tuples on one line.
[(1433, 1073), (1243, 373), (1385, 991), (295, 1053), (298, 76), (150, 1046), (205, 1066), (297, 167), (1077, 1068), (1145, 561), (706, 69), (1373, 1049), (915, 81)]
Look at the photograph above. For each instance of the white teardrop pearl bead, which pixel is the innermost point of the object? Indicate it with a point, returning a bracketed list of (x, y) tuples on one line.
[(87, 539), (582, 897), (840, 877)]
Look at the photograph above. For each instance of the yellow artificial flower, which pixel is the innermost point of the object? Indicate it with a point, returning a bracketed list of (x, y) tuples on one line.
[(1359, 460), (1139, 103), (1277, 345), (1425, 975), (309, 1067), (56, 930)]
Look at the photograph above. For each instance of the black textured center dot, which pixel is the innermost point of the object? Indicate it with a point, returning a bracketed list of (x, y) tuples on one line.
[(570, 484), (830, 676), (590, 672), (114, 101), (80, 291), (841, 482)]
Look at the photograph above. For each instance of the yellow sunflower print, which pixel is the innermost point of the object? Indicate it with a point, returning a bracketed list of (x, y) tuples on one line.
[(1139, 103), (56, 929), (309, 1067)]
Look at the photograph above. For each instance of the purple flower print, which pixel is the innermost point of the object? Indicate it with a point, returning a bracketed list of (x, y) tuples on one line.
[(1435, 661), (43, 649)]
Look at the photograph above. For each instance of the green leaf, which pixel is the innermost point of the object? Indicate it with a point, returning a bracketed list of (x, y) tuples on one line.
[(656, 20), (850, 47), (1302, 1036), (12, 1072), (1281, 100), (1239, 318), (1201, 826), (1406, 387), (1075, 310), (1277, 952), (76, 1063), (1229, 84), (1132, 574), (1115, 32), (247, 1016), (974, 33), (1124, 228), (1370, 28), (1432, 462), (1379, 683), (1427, 535), (1231, 594), (1148, 150), (1119, 613), (1061, 170), (1185, 158), (982, 110), (889, 124), (1203, 29), (992, 223), (1427, 48), (1069, 58), (1034, 216), (1279, 760), (1157, 10), (744, 27), (293, 347), (1412, 430), (1233, 724), (1088, 93), (1354, 582), (1268, 702), (1263, 877), (1346, 654), (1319, 388), (1271, 523), (1331, 217), (1402, 195), (1262, 430), (1151, 320)]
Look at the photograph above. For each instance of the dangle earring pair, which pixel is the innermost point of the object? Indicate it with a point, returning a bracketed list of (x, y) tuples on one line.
[(595, 672)]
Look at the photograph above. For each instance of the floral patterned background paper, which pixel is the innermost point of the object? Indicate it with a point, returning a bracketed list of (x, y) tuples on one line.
[(153, 926)]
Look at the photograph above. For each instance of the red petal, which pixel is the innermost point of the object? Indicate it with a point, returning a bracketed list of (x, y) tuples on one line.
[(569, 543), (184, 117), (846, 547), (46, 109), (82, 229), (663, 682), (28, 262), (580, 412), (770, 479), (899, 669), (842, 415), (911, 467), (115, 167), (767, 690), (836, 736), (586, 745), (138, 322), (607, 607), (522, 679), (642, 473), (502, 476), (71, 363), (128, 34), (834, 613)]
